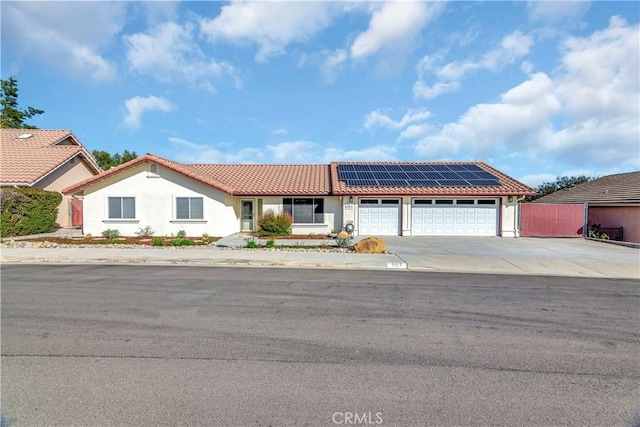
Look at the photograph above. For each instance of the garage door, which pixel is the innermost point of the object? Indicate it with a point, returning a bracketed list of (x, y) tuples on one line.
[(454, 217), (379, 217)]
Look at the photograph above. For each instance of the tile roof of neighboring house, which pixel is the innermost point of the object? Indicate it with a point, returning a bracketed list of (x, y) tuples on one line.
[(25, 161), (238, 180), (508, 185), (619, 188), (278, 179)]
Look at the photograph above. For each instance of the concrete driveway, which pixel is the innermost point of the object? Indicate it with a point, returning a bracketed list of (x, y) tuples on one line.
[(576, 257)]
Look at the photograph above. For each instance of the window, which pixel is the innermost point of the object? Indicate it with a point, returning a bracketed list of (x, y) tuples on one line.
[(369, 201), (444, 202), (486, 202), (305, 211), (189, 208), (464, 202), (422, 202), (390, 201), (122, 207)]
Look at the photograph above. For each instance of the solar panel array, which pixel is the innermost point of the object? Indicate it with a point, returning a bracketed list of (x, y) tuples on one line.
[(415, 175)]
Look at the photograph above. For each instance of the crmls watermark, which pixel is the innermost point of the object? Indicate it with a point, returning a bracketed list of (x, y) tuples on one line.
[(355, 418)]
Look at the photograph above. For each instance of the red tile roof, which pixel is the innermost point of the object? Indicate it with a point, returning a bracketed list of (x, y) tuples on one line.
[(619, 188), (238, 180), (24, 159), (279, 179), (508, 186)]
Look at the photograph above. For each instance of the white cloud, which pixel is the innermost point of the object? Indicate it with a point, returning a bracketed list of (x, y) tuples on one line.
[(378, 119), (584, 115), (279, 131), (394, 27), (534, 180), (169, 53), (137, 106), (373, 153), (553, 12), (512, 47), (69, 36), (415, 131), (270, 25), (333, 64), (293, 152), (203, 153)]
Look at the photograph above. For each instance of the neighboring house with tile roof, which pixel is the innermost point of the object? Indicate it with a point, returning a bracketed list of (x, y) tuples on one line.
[(48, 160), (612, 201), (222, 199)]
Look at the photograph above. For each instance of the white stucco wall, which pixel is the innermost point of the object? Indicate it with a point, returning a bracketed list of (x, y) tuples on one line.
[(332, 214), (155, 196), (509, 215)]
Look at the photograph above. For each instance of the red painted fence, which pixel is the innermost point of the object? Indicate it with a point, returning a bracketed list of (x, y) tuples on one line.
[(547, 220)]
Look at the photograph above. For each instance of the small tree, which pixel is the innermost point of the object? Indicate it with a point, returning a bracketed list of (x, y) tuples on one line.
[(106, 160), (11, 116)]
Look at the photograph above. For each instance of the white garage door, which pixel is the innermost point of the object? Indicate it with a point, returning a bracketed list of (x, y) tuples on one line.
[(379, 217), (454, 217)]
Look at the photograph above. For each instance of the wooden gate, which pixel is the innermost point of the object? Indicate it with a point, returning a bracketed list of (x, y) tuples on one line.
[(76, 212), (551, 220)]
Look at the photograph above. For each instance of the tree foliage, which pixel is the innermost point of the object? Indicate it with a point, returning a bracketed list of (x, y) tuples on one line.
[(106, 160), (561, 183), (11, 116)]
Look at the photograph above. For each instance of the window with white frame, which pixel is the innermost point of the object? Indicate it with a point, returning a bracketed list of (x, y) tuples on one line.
[(305, 210), (189, 208), (122, 207)]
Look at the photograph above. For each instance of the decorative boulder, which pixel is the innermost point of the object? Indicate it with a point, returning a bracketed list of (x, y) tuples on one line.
[(343, 235), (370, 245)]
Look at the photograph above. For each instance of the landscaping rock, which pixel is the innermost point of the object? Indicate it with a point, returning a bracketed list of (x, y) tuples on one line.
[(370, 245), (343, 235)]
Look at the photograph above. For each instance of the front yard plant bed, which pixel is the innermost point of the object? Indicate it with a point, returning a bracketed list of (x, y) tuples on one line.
[(120, 241), (294, 237)]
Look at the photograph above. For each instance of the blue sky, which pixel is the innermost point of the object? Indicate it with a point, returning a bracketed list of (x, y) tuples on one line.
[(536, 89)]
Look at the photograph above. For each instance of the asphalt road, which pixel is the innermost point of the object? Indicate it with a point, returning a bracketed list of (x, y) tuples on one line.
[(153, 345)]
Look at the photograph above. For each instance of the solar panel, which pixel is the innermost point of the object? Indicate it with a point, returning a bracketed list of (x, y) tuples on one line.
[(392, 182), (450, 175), (366, 175), (432, 175), (345, 176), (467, 175), (399, 175), (417, 175), (485, 175), (363, 182)]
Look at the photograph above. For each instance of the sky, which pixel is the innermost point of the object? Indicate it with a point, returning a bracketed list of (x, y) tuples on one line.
[(535, 89)]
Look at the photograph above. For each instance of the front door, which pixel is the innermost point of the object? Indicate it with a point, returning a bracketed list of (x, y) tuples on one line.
[(247, 215)]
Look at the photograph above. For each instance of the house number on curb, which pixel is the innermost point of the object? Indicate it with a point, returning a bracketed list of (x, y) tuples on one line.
[(396, 265)]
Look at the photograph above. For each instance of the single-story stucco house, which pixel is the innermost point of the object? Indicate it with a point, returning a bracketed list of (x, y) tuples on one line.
[(377, 198), (612, 201), (49, 160)]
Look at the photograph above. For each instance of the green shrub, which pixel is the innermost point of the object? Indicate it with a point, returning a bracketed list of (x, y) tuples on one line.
[(252, 244), (111, 234), (28, 211), (270, 243), (157, 241), (272, 224), (145, 232), (180, 242), (181, 234)]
